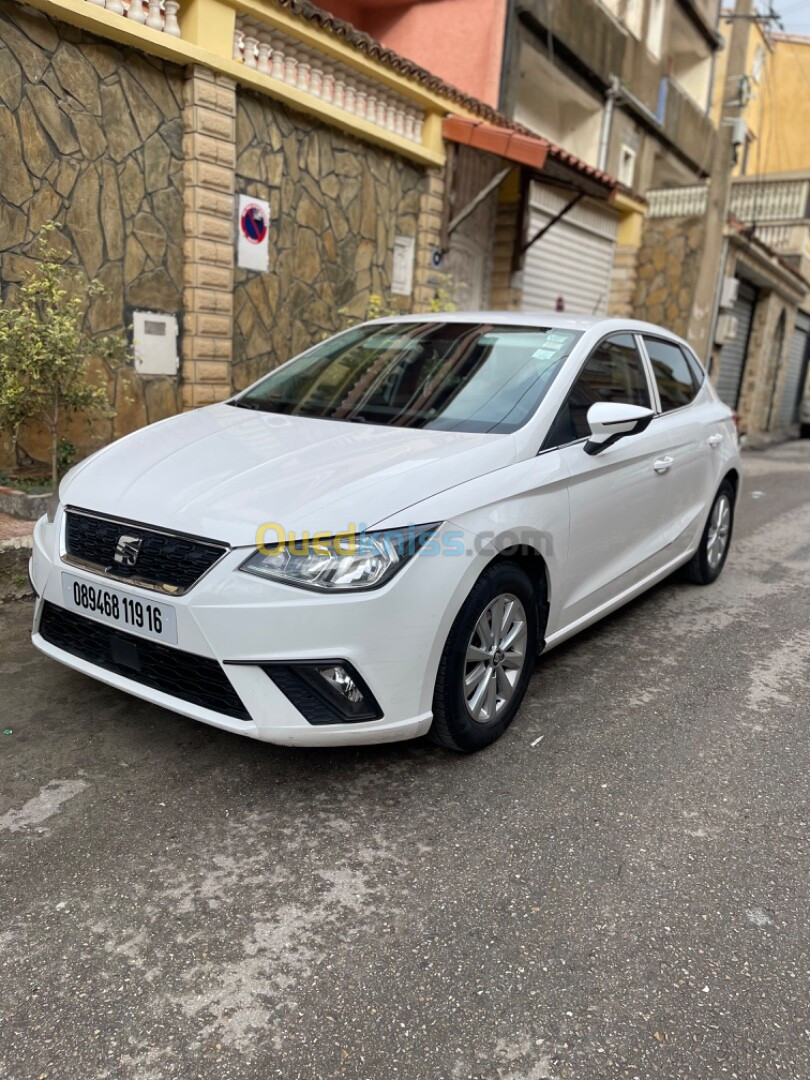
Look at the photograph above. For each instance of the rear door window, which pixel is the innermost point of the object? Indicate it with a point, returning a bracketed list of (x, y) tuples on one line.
[(614, 373), (674, 375)]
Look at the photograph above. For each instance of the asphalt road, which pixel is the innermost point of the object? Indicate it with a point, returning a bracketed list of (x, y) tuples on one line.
[(628, 897)]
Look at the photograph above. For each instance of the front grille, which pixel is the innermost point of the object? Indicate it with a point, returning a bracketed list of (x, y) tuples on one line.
[(165, 561), (183, 675)]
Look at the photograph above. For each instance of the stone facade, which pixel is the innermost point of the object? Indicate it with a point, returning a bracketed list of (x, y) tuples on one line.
[(210, 129), (335, 207), (427, 279), (624, 282), (92, 138), (139, 161), (667, 268), (766, 367)]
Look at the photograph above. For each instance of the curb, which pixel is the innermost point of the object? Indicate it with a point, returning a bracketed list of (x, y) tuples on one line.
[(14, 556), (19, 504), (766, 439)]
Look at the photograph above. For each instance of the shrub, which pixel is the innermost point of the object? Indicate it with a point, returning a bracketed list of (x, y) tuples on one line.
[(45, 350)]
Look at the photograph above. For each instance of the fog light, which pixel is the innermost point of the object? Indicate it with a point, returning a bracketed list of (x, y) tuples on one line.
[(342, 681), (325, 692)]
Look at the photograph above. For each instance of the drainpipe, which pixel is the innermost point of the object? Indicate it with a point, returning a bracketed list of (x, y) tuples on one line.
[(607, 122), (505, 92)]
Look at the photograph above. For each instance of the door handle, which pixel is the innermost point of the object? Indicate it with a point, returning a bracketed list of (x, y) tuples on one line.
[(715, 440), (661, 465)]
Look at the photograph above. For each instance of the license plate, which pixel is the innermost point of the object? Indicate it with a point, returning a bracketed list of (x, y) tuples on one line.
[(115, 608)]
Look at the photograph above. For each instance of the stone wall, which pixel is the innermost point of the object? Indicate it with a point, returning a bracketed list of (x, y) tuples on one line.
[(92, 137), (140, 161), (766, 364), (624, 282), (667, 269), (335, 207)]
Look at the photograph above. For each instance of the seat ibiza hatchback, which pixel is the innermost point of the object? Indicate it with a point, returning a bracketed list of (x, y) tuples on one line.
[(377, 539)]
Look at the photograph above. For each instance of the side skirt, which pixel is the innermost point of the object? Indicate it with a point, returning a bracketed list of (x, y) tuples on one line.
[(618, 601)]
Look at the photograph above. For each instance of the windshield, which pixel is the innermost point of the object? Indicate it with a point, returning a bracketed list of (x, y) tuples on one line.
[(447, 376)]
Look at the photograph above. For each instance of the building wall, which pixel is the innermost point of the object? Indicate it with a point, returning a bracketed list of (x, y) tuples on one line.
[(335, 206), (460, 42), (765, 366), (778, 113), (787, 147), (140, 161), (92, 138), (668, 263)]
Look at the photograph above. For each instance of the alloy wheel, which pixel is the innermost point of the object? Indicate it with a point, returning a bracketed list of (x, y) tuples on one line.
[(495, 657), (719, 529)]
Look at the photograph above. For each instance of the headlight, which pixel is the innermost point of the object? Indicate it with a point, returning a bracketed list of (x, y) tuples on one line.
[(341, 563)]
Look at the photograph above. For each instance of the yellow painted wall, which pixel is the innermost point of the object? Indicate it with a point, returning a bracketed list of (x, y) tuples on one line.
[(788, 149), (778, 114)]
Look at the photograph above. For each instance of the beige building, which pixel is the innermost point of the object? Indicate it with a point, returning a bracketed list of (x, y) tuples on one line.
[(760, 316)]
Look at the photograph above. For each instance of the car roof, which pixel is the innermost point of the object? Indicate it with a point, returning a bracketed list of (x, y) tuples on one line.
[(554, 320)]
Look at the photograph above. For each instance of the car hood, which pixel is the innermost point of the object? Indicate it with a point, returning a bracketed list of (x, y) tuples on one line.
[(221, 472)]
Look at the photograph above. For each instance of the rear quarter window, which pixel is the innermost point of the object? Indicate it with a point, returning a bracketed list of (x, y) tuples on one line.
[(675, 375)]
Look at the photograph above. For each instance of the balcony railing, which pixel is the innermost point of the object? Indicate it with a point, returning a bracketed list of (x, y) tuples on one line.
[(786, 239), (786, 201), (289, 62), (771, 200), (156, 14), (677, 202)]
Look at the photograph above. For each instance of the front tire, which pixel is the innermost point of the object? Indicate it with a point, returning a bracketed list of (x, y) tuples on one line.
[(804, 431), (710, 558), (487, 660)]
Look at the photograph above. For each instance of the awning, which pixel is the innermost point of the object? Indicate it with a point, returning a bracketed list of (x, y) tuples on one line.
[(531, 151)]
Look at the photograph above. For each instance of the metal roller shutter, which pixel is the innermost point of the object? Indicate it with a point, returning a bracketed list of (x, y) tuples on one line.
[(788, 414), (573, 260), (732, 356)]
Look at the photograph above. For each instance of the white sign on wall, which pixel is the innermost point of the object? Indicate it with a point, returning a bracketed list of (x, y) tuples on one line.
[(253, 227), (402, 272)]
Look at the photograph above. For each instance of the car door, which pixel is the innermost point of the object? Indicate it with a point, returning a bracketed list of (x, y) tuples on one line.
[(688, 420), (617, 498)]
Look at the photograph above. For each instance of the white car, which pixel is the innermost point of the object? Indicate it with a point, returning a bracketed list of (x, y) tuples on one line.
[(376, 539)]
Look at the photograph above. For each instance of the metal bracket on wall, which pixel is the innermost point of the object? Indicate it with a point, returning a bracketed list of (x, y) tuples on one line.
[(557, 217), (522, 249), (474, 203)]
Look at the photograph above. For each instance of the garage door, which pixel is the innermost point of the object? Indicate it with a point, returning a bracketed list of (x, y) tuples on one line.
[(732, 356), (788, 414), (574, 260)]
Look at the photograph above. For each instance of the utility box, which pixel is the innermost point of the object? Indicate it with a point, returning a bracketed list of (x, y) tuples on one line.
[(729, 291), (154, 336), (726, 329)]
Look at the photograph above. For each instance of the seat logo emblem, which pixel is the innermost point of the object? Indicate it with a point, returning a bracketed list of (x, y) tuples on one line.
[(127, 550)]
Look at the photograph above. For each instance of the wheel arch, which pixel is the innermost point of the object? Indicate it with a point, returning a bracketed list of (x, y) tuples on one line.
[(733, 477), (535, 567)]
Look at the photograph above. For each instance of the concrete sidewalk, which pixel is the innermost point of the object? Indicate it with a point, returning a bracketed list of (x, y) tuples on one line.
[(11, 527)]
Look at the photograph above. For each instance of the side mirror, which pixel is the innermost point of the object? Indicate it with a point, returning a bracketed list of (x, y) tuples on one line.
[(609, 423)]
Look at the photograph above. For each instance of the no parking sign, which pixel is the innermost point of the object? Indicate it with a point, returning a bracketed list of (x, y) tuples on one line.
[(252, 233)]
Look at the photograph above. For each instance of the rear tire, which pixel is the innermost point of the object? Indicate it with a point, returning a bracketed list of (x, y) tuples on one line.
[(487, 661), (804, 431), (708, 561)]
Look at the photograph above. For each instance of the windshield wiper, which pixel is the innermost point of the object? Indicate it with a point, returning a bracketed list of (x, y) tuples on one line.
[(243, 403)]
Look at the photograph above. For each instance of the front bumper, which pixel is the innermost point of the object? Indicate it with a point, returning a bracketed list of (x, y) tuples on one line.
[(392, 636)]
